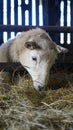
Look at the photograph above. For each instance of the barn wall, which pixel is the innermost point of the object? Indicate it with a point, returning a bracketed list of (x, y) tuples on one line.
[(51, 17)]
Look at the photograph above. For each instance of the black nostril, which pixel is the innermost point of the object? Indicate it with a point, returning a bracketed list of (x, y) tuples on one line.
[(40, 88)]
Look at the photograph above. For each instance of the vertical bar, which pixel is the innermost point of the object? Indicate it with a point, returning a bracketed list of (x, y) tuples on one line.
[(26, 17), (68, 21), (71, 6), (68, 13), (16, 12), (1, 19), (30, 12), (8, 16), (62, 21), (19, 13), (65, 20), (33, 12), (1, 11), (12, 16), (27, 12), (57, 3), (65, 12), (37, 12), (26, 2), (12, 12), (23, 11), (5, 18), (45, 12), (40, 13)]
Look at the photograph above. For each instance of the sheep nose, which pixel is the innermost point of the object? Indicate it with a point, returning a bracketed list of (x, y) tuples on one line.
[(40, 88)]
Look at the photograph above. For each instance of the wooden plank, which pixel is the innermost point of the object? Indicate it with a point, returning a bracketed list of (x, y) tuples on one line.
[(1, 18), (8, 16), (19, 28), (37, 12), (30, 12), (16, 12), (65, 20), (23, 12), (46, 12)]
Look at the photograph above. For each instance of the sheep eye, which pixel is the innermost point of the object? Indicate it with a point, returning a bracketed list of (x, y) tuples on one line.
[(34, 58)]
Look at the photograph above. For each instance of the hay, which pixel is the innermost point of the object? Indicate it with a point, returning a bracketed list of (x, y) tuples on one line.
[(23, 108)]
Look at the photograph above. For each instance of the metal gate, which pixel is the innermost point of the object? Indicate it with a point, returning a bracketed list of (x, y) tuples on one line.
[(37, 13)]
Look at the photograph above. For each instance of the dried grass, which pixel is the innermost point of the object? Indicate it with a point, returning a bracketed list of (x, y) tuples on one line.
[(23, 108)]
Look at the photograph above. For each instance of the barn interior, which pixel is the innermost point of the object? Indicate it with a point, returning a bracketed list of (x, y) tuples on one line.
[(21, 106)]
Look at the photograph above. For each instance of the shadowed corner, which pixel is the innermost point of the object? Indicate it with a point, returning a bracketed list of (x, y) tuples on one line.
[(1, 41)]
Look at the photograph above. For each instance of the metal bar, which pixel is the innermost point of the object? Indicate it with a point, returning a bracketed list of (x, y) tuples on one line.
[(17, 28)]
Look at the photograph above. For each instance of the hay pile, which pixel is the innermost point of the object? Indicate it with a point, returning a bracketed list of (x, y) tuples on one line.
[(23, 108)]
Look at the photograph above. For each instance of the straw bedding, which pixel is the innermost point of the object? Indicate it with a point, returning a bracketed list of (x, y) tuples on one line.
[(23, 108)]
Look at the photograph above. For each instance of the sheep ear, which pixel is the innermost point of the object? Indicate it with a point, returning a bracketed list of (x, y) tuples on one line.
[(32, 45), (61, 49)]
